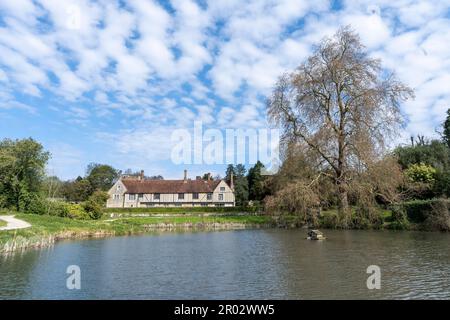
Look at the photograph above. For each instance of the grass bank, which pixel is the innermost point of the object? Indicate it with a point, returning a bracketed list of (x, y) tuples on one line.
[(2, 223), (46, 230)]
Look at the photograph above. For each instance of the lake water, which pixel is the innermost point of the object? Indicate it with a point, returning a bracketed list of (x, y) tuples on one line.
[(245, 264)]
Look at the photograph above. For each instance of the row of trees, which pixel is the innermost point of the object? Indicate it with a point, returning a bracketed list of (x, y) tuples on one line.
[(25, 187), (247, 186)]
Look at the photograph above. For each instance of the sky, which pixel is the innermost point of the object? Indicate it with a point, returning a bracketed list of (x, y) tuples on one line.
[(110, 81)]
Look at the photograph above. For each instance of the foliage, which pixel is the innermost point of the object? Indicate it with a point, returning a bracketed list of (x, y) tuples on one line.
[(95, 203), (240, 183), (421, 173), (77, 190), (101, 176), (446, 131), (341, 105), (22, 169), (438, 219), (76, 211), (433, 153), (419, 210), (255, 182), (399, 218)]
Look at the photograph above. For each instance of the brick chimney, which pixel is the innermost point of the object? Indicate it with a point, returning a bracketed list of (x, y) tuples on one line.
[(185, 176), (141, 176)]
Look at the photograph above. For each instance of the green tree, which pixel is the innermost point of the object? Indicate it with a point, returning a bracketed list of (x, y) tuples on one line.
[(101, 176), (22, 169), (433, 153), (446, 131), (255, 182), (240, 183), (230, 170), (77, 190)]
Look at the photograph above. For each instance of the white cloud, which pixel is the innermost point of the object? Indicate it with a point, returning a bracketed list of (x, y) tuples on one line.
[(214, 60)]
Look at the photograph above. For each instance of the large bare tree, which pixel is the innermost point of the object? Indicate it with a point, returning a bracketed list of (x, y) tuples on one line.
[(342, 105)]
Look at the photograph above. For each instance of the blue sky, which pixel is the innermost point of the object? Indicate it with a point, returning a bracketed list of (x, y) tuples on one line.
[(109, 81)]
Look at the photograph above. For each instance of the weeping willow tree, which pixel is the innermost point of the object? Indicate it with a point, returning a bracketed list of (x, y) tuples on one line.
[(342, 106)]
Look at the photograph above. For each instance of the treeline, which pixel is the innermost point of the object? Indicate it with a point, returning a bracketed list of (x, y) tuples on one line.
[(24, 186)]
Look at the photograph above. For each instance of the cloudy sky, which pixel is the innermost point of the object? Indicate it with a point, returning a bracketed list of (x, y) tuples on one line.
[(109, 81)]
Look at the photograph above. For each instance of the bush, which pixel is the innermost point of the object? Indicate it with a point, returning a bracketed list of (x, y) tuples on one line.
[(418, 210), (76, 211), (421, 173), (399, 218), (438, 218), (95, 203), (367, 217), (37, 205)]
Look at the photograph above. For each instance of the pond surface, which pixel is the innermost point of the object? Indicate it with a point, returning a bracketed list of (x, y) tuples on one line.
[(245, 264)]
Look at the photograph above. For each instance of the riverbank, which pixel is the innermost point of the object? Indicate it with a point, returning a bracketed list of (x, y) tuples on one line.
[(46, 230)]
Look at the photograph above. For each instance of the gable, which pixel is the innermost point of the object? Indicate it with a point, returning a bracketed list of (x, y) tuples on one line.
[(118, 188)]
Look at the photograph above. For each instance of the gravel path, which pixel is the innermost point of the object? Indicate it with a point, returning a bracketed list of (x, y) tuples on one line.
[(14, 223)]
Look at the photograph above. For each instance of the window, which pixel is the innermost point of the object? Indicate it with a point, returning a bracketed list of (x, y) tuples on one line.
[(209, 196), (149, 204), (181, 196), (195, 195), (220, 205), (116, 196), (118, 187), (222, 188), (177, 204), (220, 196), (141, 196), (131, 196), (156, 196)]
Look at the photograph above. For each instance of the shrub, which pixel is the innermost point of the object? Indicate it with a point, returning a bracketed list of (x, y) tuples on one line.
[(94, 204), (37, 205), (399, 218), (76, 211), (421, 173), (329, 220), (417, 210), (438, 218), (367, 217)]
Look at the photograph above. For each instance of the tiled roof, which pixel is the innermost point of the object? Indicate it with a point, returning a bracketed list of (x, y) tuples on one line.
[(169, 186)]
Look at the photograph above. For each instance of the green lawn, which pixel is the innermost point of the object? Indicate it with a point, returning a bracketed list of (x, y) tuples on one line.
[(51, 227)]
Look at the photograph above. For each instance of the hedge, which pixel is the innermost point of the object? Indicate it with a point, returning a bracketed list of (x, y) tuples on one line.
[(184, 210), (418, 210)]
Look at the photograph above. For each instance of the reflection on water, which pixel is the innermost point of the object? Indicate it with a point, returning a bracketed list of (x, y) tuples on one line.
[(245, 264)]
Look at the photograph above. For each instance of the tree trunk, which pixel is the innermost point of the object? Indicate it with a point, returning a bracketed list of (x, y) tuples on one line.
[(344, 211)]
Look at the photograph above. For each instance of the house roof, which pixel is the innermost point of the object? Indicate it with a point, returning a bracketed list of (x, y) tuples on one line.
[(170, 186)]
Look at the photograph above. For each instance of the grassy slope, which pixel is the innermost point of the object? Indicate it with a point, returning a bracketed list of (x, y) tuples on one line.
[(2, 223), (44, 227)]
